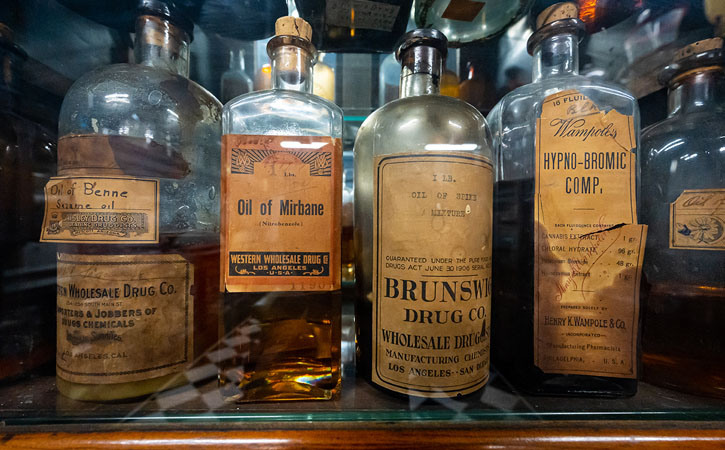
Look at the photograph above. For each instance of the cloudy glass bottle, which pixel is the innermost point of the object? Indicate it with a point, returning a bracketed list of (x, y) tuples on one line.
[(423, 199), (136, 208)]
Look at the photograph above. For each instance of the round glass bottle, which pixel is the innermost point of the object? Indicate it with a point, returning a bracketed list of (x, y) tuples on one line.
[(138, 297), (683, 202)]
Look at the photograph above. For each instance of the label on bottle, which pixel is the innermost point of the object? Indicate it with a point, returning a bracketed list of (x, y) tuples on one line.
[(123, 318), (281, 213), (697, 220), (431, 273), (105, 210), (463, 10), (363, 14), (588, 248), (98, 154)]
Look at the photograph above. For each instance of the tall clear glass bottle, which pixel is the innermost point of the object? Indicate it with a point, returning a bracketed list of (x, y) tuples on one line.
[(281, 231), (235, 81), (423, 199), (136, 209), (565, 153), (683, 201)]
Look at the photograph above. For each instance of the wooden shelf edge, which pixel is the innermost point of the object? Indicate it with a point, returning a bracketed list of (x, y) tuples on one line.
[(594, 436)]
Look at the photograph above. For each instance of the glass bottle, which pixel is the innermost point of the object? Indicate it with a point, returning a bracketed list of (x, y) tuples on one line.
[(356, 26), (683, 201), (423, 199), (466, 21), (136, 209), (281, 230), (324, 80), (558, 274), (235, 80)]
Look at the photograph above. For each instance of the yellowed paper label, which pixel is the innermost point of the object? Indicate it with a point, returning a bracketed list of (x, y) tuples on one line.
[(107, 210), (588, 248), (123, 318), (281, 213), (697, 220), (432, 273)]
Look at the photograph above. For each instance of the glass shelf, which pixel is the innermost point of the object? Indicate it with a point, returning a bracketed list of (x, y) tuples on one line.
[(35, 401)]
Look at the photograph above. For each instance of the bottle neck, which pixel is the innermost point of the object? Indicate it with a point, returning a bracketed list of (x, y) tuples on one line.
[(292, 69), (161, 44), (236, 60), (556, 56), (701, 89), (421, 72)]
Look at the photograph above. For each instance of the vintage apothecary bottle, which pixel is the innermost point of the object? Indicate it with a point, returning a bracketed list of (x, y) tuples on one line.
[(683, 201), (423, 200), (466, 21), (136, 209), (235, 80), (281, 231), (567, 249)]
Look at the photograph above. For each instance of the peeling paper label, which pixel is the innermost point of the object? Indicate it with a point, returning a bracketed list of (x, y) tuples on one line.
[(123, 318), (697, 220), (588, 248)]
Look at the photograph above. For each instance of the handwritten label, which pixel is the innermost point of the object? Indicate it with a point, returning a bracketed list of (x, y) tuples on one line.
[(432, 273), (697, 220), (123, 318), (109, 210), (588, 248), (362, 14), (281, 214)]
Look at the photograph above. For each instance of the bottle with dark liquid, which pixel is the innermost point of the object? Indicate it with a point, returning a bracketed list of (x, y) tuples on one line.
[(683, 201), (135, 209), (566, 246)]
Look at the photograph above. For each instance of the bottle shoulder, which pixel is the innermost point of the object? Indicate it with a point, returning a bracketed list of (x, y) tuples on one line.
[(282, 112), (422, 123), (280, 99), (105, 98), (604, 94)]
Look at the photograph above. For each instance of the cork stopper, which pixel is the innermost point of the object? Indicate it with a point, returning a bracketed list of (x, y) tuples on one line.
[(556, 12), (293, 26), (698, 47)]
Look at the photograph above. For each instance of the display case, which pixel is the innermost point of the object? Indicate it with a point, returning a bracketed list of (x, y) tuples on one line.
[(72, 72)]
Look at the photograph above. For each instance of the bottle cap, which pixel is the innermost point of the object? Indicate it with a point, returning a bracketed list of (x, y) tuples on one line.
[(293, 26), (558, 11), (698, 47), (428, 37)]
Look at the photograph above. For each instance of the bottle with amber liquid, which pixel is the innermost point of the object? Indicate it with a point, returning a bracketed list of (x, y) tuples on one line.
[(567, 247), (135, 208), (683, 201), (281, 231)]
